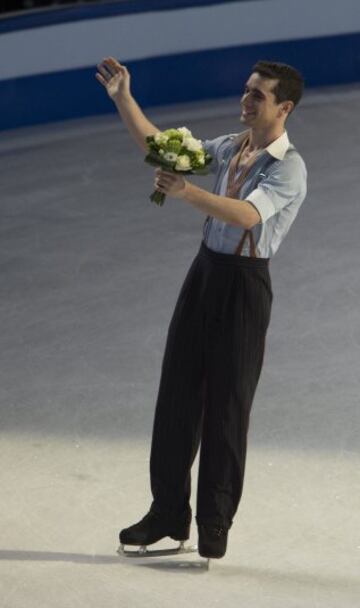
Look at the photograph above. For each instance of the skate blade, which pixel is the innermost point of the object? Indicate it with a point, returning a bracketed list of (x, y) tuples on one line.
[(143, 551)]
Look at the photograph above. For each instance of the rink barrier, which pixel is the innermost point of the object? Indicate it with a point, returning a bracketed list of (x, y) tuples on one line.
[(40, 87)]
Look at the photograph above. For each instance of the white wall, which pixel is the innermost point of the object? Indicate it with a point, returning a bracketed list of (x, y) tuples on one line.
[(129, 37)]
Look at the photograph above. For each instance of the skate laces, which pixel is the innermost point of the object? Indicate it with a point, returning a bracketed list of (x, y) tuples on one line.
[(218, 530)]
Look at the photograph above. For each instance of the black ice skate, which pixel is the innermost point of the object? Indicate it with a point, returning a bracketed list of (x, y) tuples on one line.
[(152, 528), (212, 541)]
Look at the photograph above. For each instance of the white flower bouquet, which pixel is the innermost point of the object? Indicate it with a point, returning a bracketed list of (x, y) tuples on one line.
[(178, 151)]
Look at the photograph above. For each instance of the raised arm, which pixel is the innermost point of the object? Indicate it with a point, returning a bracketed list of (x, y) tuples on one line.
[(116, 79)]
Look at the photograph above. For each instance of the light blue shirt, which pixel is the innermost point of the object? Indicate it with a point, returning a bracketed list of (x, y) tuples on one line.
[(276, 185)]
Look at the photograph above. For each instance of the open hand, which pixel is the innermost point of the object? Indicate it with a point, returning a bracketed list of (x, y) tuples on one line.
[(114, 77)]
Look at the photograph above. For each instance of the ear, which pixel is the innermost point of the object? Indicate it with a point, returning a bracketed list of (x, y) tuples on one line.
[(287, 107)]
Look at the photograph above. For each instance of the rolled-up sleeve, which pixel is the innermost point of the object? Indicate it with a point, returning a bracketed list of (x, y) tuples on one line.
[(285, 184)]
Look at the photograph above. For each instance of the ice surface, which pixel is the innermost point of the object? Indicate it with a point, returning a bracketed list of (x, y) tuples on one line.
[(90, 272)]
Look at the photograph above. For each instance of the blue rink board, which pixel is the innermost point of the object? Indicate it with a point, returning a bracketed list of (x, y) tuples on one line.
[(179, 78)]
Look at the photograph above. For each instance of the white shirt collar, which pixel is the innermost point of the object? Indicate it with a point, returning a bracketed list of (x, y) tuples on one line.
[(279, 146)]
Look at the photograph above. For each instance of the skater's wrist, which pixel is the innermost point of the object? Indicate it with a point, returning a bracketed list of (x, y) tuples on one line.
[(186, 193)]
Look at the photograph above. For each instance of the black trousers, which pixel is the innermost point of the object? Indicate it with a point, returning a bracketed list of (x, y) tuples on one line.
[(211, 367)]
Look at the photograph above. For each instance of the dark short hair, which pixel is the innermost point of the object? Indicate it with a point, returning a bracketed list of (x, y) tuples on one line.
[(291, 82)]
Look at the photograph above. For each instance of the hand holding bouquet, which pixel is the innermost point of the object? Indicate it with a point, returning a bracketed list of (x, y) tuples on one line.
[(177, 151)]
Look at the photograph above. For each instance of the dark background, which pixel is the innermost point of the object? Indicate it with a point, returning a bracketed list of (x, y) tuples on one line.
[(11, 6)]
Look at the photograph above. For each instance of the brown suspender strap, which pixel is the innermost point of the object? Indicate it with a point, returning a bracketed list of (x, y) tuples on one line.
[(242, 241), (234, 185)]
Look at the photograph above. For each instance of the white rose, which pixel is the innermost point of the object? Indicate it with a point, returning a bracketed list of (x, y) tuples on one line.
[(170, 156), (192, 144), (160, 138), (183, 163), (184, 132)]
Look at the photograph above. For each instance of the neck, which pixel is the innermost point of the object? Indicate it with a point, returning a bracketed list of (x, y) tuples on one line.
[(261, 138)]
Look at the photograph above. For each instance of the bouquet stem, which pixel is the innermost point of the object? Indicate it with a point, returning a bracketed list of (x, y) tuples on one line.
[(158, 197)]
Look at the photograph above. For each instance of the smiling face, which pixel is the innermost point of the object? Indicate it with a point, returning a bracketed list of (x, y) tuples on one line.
[(259, 108)]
